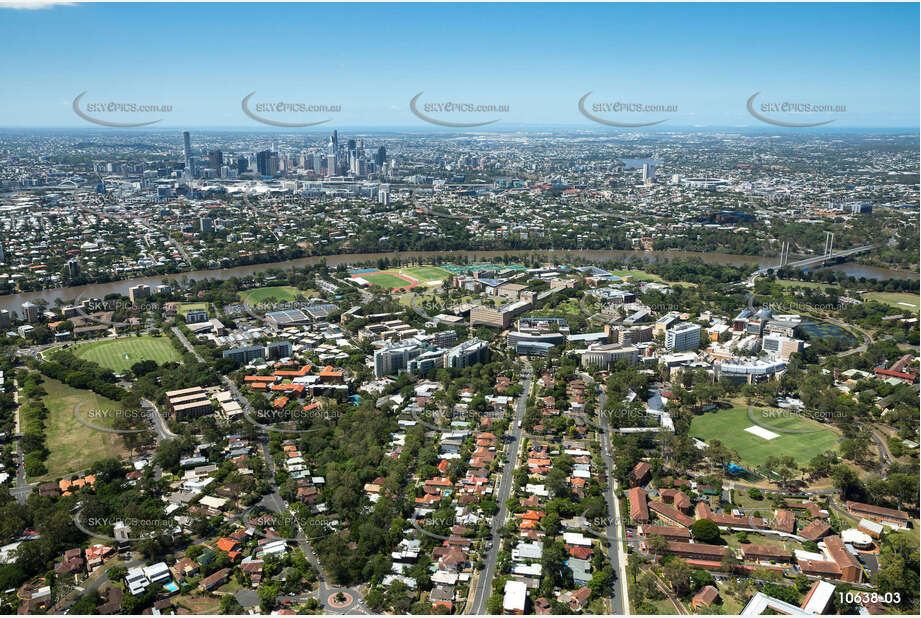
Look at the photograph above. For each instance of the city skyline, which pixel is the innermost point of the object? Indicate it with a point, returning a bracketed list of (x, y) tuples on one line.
[(467, 309)]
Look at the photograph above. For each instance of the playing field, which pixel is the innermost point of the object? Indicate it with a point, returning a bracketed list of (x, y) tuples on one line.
[(119, 354), (729, 427), (73, 445), (426, 273), (277, 294), (899, 300), (388, 280), (184, 308), (636, 275)]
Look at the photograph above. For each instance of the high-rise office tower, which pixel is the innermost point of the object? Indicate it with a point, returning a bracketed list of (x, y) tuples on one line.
[(649, 172), (381, 156), (30, 311), (263, 162), (187, 150), (216, 160), (242, 164), (332, 152)]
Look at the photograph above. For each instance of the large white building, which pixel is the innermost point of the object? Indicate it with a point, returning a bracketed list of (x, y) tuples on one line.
[(682, 337), (779, 346), (750, 371), (607, 354), (396, 358), (467, 354)]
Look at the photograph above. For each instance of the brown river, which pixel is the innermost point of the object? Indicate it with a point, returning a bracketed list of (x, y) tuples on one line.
[(13, 302)]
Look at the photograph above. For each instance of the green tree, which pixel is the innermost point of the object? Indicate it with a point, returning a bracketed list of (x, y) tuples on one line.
[(678, 574), (705, 531)]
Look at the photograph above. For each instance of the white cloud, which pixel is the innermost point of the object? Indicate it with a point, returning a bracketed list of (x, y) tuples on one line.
[(32, 4)]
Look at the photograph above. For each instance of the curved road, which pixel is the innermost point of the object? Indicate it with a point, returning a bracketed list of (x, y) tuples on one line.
[(275, 503), (867, 339)]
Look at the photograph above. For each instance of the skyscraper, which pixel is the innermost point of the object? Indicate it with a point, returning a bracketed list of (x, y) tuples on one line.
[(216, 160), (332, 151), (264, 163), (187, 150), (649, 172), (381, 156), (353, 162), (242, 164), (30, 311), (73, 268)]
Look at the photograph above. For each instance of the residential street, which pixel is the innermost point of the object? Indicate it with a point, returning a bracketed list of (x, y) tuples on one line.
[(484, 585), (614, 530)]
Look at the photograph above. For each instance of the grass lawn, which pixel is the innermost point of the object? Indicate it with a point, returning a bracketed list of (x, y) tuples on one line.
[(762, 539), (119, 354), (731, 606), (199, 604), (73, 445), (664, 607), (407, 299), (728, 426), (568, 307), (887, 298), (184, 308), (636, 275), (913, 533), (386, 280), (426, 273), (786, 283), (895, 299), (278, 294), (740, 497)]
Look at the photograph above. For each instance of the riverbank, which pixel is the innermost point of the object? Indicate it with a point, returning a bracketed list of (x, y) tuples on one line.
[(13, 302)]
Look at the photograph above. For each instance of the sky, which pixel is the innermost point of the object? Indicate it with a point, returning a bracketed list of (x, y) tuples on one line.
[(704, 61)]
